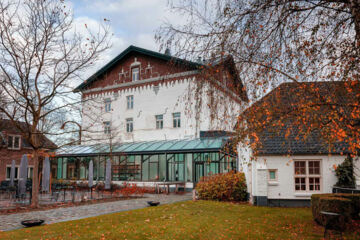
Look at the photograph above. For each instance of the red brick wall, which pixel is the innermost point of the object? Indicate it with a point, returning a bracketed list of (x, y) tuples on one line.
[(6, 157), (158, 68)]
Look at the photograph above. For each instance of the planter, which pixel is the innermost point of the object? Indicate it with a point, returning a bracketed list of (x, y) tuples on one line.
[(153, 203), (32, 223)]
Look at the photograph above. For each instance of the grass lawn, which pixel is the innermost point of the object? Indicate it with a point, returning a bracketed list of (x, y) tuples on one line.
[(187, 220)]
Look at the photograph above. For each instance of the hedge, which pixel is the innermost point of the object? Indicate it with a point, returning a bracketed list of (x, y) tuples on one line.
[(229, 186), (348, 205)]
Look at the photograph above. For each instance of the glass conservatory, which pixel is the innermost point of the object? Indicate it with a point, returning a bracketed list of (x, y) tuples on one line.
[(158, 161)]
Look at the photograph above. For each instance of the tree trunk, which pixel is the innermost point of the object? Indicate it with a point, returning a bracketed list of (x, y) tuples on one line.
[(35, 180), (355, 11)]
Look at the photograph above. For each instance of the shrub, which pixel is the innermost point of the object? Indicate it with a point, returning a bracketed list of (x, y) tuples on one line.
[(348, 205), (223, 187), (355, 203), (337, 205), (345, 173), (128, 190)]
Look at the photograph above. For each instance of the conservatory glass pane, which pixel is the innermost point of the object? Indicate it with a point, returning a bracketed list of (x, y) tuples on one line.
[(59, 168), (162, 167), (188, 164), (64, 168), (153, 173), (179, 145), (192, 144), (145, 170), (136, 169), (166, 145), (155, 146)]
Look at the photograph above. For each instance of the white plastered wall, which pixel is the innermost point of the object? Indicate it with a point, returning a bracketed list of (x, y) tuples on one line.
[(177, 96), (284, 187)]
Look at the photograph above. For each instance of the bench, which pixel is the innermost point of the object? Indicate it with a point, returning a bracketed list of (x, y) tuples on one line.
[(167, 186)]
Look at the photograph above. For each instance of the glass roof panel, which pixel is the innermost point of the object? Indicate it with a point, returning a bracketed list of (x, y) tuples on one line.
[(134, 146), (144, 147), (156, 146), (179, 145), (167, 145), (192, 143)]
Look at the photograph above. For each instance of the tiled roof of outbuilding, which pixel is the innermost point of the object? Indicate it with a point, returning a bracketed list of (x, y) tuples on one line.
[(8, 127), (284, 103), (276, 143)]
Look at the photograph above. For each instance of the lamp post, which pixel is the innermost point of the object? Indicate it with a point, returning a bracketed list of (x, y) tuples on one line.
[(80, 129)]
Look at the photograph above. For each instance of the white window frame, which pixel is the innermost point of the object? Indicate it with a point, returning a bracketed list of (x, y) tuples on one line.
[(307, 175), (17, 168), (13, 142), (135, 76), (107, 105), (129, 125), (130, 102), (29, 171), (176, 120), (159, 119), (107, 127)]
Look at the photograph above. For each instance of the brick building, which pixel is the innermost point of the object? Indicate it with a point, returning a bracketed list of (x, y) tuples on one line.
[(13, 146)]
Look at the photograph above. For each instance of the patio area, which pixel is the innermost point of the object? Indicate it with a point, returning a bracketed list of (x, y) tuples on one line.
[(12, 221)]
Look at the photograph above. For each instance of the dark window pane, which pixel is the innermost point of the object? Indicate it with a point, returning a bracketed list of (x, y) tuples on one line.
[(10, 142)]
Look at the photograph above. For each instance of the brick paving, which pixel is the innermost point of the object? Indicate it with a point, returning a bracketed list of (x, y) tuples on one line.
[(12, 221)]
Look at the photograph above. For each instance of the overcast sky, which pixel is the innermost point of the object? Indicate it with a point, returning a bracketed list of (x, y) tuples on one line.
[(133, 22)]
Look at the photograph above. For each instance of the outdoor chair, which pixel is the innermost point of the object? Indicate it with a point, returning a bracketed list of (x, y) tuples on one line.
[(55, 195), (4, 185)]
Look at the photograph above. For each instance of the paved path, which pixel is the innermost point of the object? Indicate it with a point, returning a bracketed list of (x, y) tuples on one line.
[(12, 221)]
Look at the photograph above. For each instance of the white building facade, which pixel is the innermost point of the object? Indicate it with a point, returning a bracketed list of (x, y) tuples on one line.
[(158, 118), (164, 105)]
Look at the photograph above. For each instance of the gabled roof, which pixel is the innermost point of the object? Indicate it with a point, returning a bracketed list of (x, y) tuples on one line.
[(134, 49), (278, 114), (7, 126)]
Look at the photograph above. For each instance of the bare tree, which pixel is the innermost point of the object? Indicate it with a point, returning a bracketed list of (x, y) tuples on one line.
[(41, 55), (281, 41)]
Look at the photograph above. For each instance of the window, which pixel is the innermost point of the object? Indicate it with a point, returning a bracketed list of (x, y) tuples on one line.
[(107, 127), (8, 172), (135, 74), (13, 142), (176, 120), (107, 105), (30, 172), (17, 169), (307, 175), (129, 125), (272, 175), (159, 121), (130, 102)]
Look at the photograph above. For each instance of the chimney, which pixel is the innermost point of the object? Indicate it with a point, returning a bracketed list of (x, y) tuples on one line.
[(168, 52)]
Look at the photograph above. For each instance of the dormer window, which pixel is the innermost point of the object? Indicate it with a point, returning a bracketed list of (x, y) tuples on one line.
[(14, 142), (135, 72)]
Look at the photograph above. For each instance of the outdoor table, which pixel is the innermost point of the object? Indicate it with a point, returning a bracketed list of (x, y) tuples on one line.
[(331, 218), (167, 186), (64, 188)]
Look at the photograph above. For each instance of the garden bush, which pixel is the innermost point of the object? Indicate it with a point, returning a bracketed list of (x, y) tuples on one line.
[(223, 187), (337, 205), (128, 189), (345, 173), (348, 205)]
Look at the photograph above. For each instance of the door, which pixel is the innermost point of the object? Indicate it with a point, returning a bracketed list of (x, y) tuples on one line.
[(199, 171)]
